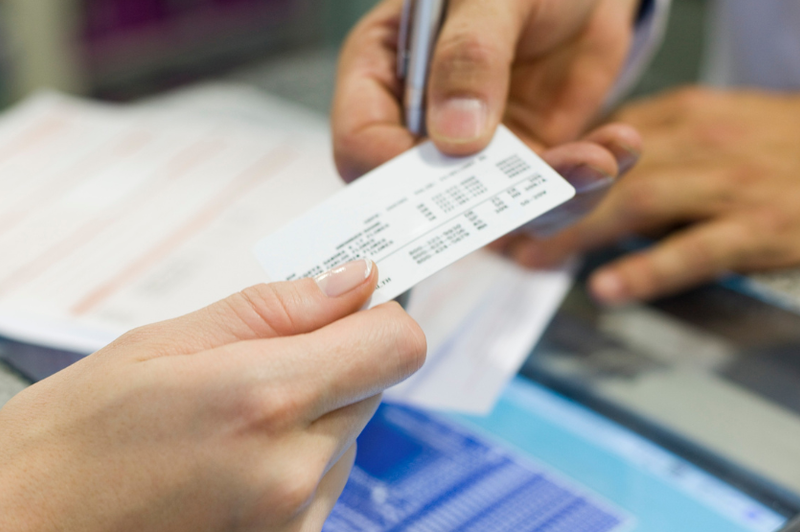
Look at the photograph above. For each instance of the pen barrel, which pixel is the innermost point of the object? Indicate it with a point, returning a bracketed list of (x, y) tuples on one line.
[(425, 25), (414, 105)]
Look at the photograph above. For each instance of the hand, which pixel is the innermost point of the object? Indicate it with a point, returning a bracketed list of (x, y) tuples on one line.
[(592, 166), (543, 67), (721, 166), (239, 417)]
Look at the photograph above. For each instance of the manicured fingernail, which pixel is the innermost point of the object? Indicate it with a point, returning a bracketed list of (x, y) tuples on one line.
[(609, 287), (586, 178), (346, 278), (459, 120), (626, 158)]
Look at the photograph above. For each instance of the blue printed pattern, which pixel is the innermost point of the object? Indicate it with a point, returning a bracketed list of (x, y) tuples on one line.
[(417, 473)]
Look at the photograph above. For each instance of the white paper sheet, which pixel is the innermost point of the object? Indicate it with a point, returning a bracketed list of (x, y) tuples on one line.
[(482, 318), (111, 218)]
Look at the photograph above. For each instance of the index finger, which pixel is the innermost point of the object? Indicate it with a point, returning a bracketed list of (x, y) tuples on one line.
[(688, 258), (351, 360), (263, 311), (364, 354), (367, 117)]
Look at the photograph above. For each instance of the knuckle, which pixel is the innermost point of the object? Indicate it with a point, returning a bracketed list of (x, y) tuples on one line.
[(148, 341), (271, 305), (772, 221), (731, 180), (349, 147), (275, 409), (714, 135), (700, 255), (724, 190), (298, 486), (642, 275), (464, 52), (746, 175), (638, 198), (790, 252), (744, 239), (691, 98), (344, 150), (409, 339), (138, 336)]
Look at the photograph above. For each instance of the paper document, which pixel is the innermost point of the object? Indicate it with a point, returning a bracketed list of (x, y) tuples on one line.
[(112, 217), (482, 317), (418, 214)]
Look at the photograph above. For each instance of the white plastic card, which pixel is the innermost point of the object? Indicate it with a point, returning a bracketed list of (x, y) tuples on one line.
[(418, 214)]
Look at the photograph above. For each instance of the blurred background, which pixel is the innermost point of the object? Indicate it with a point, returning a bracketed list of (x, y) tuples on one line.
[(124, 49)]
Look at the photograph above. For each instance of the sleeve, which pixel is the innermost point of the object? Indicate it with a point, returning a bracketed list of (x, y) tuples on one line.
[(651, 26)]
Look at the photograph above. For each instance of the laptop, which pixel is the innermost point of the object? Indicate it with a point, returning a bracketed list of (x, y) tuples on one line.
[(540, 462), (680, 415)]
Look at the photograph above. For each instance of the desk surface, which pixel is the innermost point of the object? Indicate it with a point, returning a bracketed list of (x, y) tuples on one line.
[(714, 367)]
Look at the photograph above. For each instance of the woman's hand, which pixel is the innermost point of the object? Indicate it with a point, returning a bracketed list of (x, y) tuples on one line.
[(241, 416), (543, 67)]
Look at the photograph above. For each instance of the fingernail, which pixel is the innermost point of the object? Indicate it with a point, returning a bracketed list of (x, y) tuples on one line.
[(459, 120), (609, 287), (626, 158), (346, 278), (586, 178)]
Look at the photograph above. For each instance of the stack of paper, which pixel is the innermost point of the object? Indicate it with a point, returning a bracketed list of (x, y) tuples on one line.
[(114, 217)]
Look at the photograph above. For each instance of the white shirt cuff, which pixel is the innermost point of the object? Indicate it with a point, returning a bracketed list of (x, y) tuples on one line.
[(647, 40)]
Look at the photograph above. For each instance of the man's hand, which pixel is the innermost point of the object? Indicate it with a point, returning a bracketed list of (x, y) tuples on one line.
[(242, 416), (543, 67), (592, 166), (723, 168)]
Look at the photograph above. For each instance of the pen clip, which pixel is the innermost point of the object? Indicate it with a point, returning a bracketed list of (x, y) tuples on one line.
[(404, 39)]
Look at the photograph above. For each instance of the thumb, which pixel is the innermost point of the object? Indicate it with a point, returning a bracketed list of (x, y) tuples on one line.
[(470, 74), (263, 311)]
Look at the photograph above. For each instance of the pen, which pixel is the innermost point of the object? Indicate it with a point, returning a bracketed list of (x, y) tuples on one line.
[(419, 31)]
